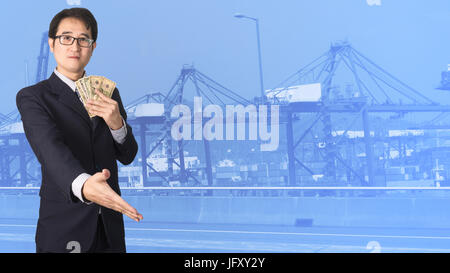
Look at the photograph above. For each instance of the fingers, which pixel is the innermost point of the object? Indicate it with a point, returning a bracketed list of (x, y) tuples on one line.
[(122, 206), (95, 110), (99, 103), (115, 202), (102, 99), (97, 190), (125, 208), (106, 173), (106, 108), (102, 104), (136, 217), (106, 112), (98, 107), (98, 113), (105, 98)]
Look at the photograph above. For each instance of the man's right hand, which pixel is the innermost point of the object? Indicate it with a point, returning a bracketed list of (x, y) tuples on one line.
[(97, 190)]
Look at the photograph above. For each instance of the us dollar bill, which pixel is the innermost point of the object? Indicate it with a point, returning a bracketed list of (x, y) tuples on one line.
[(95, 83), (86, 87), (108, 87), (81, 90)]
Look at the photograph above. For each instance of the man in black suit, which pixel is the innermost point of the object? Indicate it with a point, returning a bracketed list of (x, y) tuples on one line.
[(81, 208)]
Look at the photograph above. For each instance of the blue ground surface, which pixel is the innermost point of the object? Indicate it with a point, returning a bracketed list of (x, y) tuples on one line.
[(17, 235)]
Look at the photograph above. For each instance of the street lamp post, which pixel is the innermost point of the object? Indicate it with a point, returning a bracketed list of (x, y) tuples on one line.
[(238, 15)]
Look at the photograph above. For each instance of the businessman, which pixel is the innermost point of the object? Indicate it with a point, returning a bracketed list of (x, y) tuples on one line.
[(80, 205)]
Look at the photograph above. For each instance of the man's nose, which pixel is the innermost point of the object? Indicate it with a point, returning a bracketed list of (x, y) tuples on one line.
[(75, 46)]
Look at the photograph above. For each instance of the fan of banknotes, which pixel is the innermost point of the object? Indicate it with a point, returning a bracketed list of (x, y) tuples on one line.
[(86, 87)]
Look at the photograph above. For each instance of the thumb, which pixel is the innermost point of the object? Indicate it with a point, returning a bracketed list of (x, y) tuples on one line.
[(106, 173)]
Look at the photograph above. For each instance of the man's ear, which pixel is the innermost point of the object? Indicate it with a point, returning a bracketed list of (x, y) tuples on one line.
[(93, 47), (51, 43)]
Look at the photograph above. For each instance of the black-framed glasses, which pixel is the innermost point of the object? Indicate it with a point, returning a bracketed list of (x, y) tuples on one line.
[(68, 40)]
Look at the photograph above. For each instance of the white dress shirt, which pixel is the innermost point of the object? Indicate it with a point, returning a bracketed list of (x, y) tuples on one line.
[(118, 135)]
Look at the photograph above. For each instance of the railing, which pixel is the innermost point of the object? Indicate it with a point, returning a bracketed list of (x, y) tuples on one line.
[(263, 191)]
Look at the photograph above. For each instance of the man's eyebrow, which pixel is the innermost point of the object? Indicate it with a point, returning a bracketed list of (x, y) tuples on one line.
[(70, 32)]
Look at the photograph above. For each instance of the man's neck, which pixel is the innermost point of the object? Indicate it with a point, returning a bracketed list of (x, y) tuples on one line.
[(73, 76)]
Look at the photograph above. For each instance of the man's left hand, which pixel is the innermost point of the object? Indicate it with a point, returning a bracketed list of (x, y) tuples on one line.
[(106, 108)]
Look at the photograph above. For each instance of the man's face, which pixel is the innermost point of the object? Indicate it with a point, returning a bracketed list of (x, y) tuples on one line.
[(71, 59)]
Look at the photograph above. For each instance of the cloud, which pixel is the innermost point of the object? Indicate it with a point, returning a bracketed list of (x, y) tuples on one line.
[(373, 2), (73, 2)]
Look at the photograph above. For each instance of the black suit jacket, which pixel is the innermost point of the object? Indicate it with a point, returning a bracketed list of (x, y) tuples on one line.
[(66, 144)]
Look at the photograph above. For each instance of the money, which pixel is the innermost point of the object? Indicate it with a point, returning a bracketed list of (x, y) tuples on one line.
[(81, 92), (102, 84), (86, 87), (108, 87), (95, 83)]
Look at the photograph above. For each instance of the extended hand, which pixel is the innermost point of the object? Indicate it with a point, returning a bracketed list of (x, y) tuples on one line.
[(97, 190), (106, 108)]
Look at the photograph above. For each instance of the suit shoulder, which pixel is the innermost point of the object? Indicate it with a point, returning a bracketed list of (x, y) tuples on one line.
[(34, 90), (116, 94), (116, 90)]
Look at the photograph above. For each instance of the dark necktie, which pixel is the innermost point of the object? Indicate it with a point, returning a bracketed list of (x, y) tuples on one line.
[(78, 94)]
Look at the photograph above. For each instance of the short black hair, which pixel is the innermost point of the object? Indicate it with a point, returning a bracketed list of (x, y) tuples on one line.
[(82, 14)]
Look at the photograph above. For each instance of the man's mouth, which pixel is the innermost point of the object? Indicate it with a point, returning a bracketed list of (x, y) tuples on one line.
[(74, 57)]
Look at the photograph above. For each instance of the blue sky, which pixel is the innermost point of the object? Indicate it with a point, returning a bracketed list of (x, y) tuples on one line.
[(142, 45)]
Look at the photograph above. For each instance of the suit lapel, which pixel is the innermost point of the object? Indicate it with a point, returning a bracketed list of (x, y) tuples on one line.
[(68, 97)]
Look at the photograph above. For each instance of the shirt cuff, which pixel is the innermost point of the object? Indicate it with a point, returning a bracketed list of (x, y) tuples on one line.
[(77, 185), (120, 134)]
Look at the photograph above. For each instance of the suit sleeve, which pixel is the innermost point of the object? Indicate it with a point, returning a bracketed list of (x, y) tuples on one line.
[(126, 151), (47, 142)]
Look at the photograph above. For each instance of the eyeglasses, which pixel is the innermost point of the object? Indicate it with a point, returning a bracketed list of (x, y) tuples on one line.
[(68, 40)]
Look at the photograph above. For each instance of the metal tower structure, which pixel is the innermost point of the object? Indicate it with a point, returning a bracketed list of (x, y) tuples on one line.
[(373, 90), (190, 83), (18, 165), (41, 73)]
